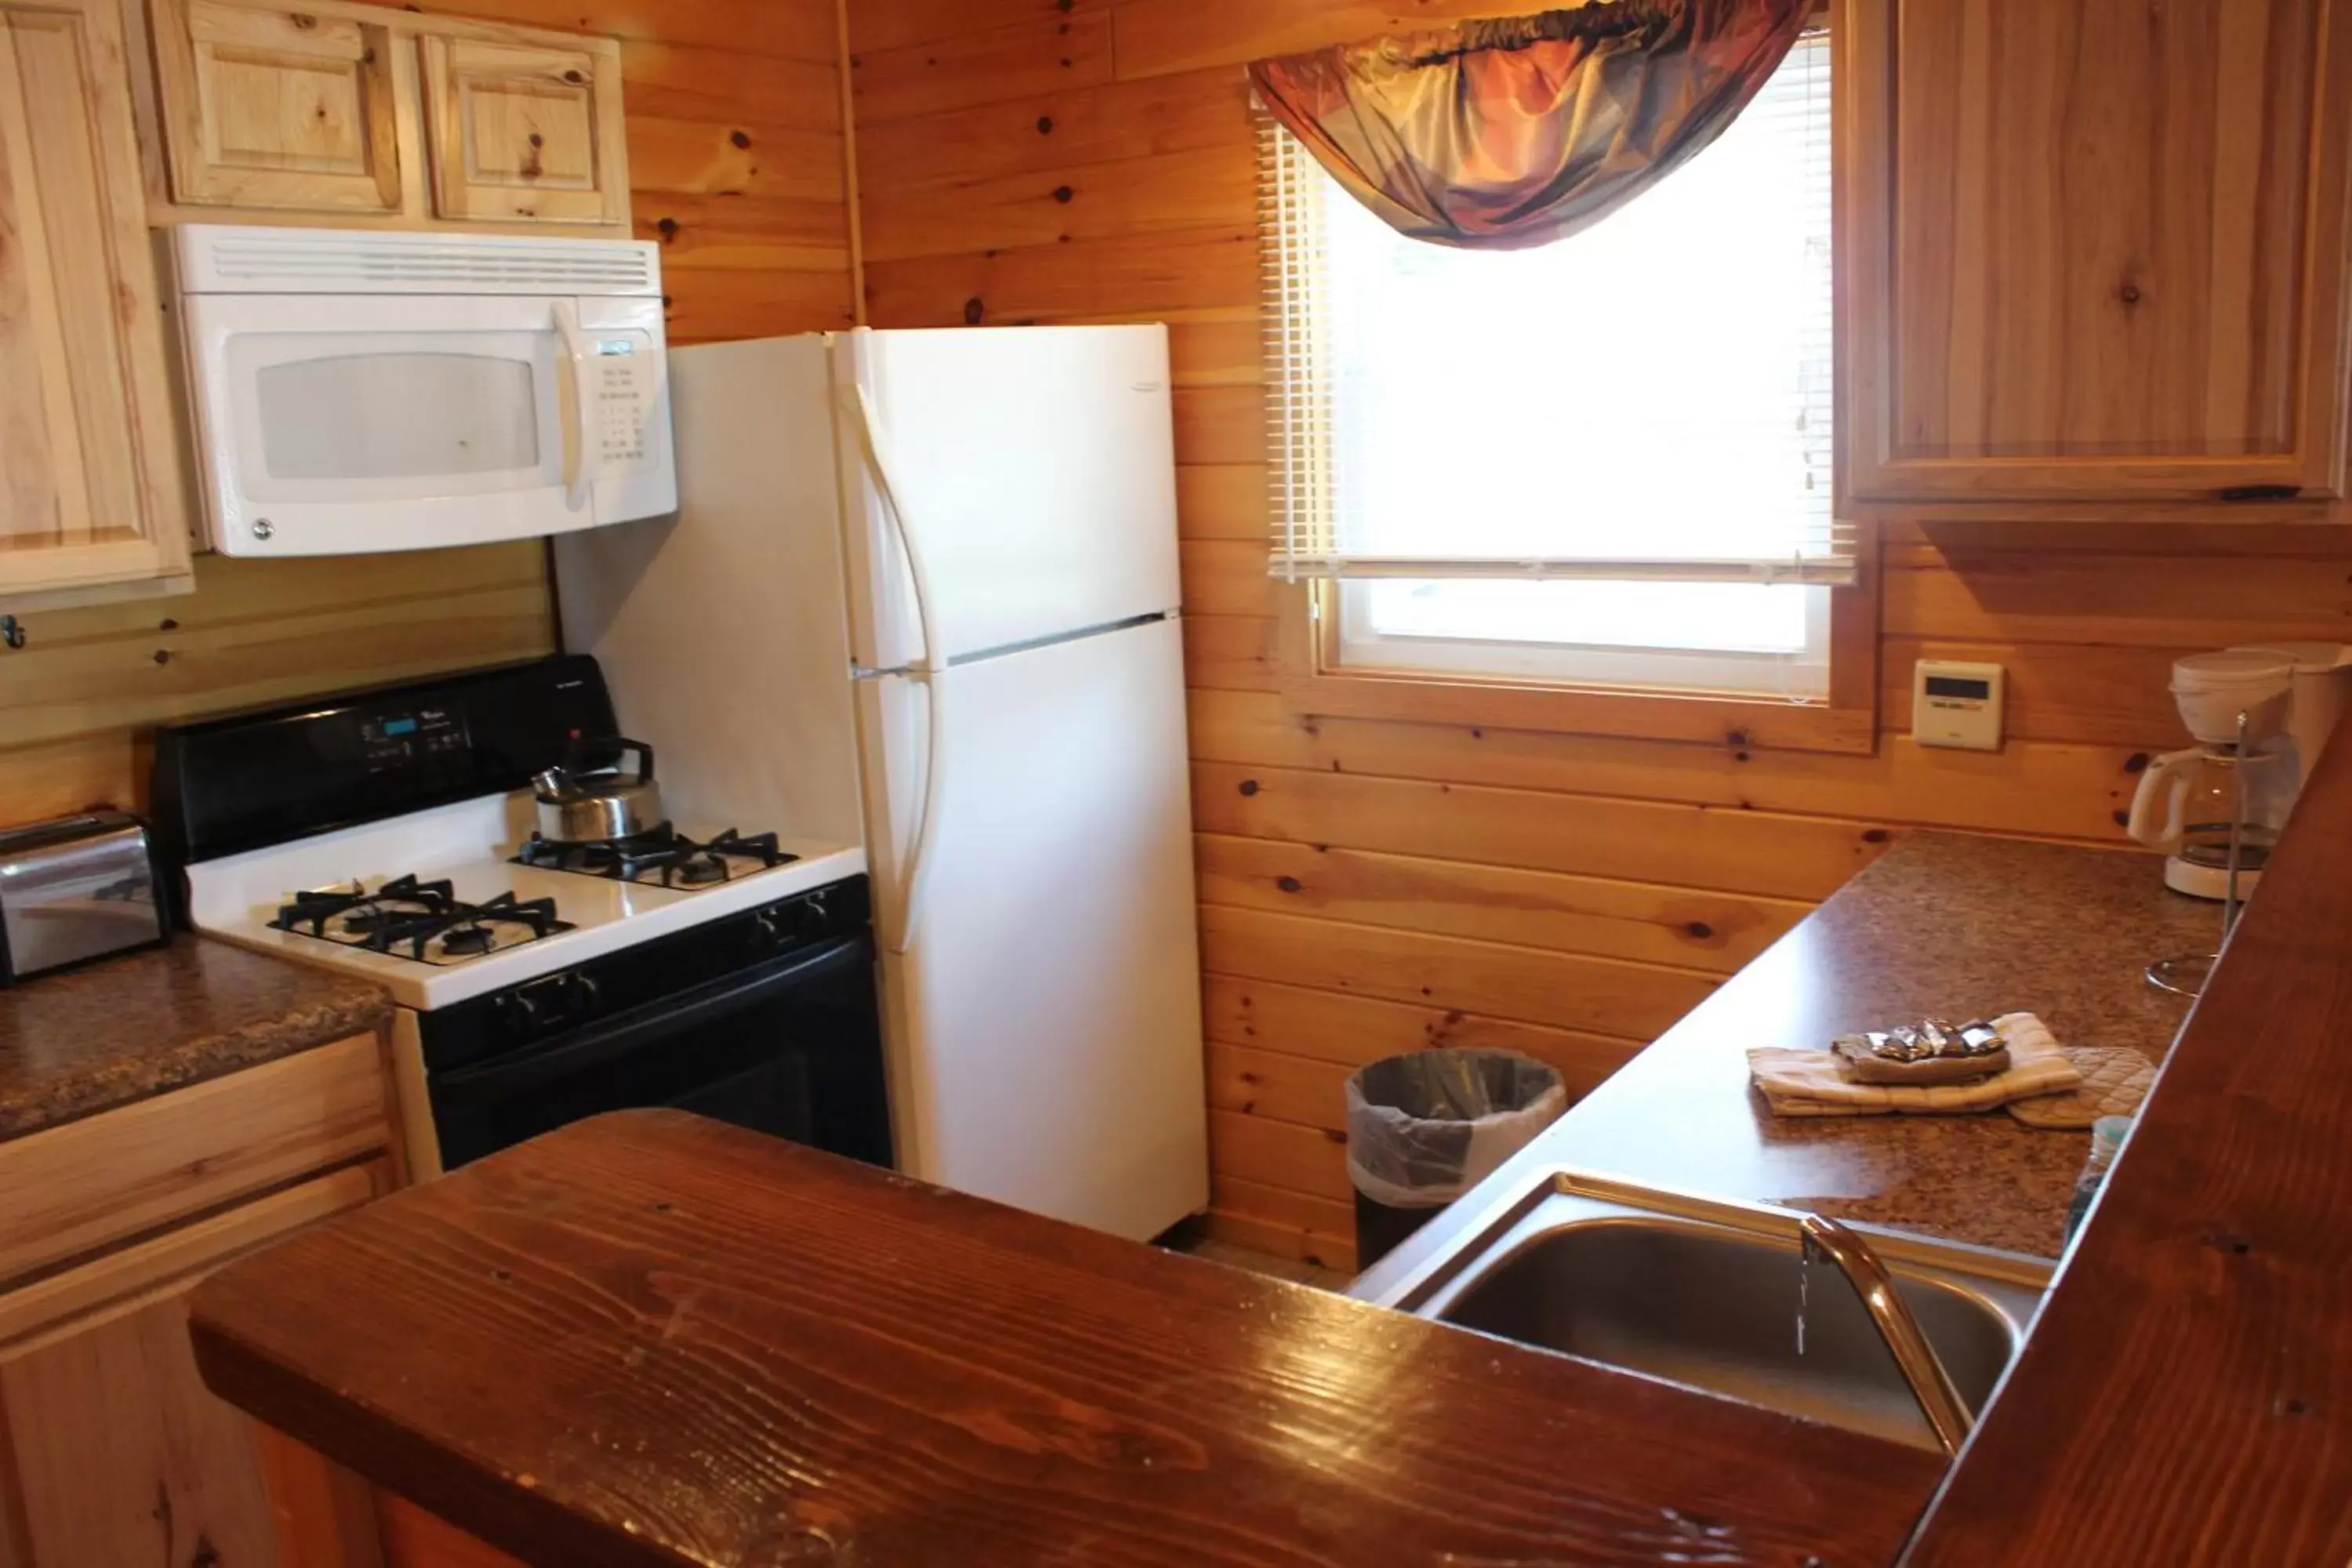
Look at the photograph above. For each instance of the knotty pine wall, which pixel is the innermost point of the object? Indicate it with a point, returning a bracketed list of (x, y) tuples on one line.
[(737, 149), (1370, 887)]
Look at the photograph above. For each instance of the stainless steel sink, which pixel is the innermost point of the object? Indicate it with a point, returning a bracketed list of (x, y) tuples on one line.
[(1711, 1295)]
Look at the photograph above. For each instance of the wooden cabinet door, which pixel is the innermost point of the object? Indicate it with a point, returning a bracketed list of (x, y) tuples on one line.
[(89, 473), (267, 107), (112, 1452), (123, 1458), (2092, 250), (525, 131)]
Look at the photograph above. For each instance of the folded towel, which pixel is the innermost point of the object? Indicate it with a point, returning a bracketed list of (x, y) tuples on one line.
[(1807, 1083)]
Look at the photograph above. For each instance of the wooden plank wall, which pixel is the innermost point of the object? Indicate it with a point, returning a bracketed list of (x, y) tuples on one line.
[(1367, 886), (736, 145)]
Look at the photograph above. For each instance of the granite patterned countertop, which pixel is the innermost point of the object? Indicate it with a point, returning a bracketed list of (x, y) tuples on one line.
[(1947, 924), (86, 1040)]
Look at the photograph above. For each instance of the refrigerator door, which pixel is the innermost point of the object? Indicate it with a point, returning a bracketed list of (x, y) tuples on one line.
[(1044, 1022), (1034, 468)]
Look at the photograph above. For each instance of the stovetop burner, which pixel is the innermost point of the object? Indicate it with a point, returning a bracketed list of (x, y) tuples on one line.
[(663, 856), (425, 921), (469, 939)]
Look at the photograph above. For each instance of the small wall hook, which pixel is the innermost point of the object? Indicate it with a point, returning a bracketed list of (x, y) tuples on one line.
[(12, 631)]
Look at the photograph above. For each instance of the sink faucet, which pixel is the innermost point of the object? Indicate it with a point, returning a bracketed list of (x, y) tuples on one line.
[(1931, 1385)]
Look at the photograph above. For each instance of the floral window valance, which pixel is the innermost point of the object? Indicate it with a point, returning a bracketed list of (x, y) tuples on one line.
[(1515, 133)]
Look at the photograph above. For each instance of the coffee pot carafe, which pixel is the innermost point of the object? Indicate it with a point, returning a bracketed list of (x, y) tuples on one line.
[(2214, 806), (2261, 717)]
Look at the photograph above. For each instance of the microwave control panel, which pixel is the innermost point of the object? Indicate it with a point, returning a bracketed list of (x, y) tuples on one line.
[(624, 372)]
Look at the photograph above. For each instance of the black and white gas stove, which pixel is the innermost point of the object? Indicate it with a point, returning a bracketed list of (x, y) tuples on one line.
[(390, 834)]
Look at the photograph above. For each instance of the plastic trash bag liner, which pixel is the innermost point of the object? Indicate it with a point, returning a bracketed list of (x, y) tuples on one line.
[(1427, 1127)]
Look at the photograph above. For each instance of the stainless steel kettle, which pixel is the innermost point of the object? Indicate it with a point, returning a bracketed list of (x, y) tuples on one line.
[(593, 797)]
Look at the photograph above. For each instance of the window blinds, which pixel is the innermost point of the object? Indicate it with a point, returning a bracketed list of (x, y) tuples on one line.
[(1650, 400)]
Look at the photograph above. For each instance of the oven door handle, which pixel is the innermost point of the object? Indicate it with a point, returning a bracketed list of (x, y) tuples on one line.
[(503, 1076)]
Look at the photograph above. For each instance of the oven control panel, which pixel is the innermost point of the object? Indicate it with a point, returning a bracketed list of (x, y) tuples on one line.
[(408, 737)]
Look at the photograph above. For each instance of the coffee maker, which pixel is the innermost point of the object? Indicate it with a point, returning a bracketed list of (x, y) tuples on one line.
[(2261, 717)]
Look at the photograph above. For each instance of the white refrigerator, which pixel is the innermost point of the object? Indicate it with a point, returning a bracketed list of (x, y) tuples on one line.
[(921, 589)]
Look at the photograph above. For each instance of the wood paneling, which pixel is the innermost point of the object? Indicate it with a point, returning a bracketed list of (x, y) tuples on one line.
[(1046, 55), (1284, 1224), (1067, 127), (1536, 985), (1353, 1030), (2030, 788), (1597, 836), (1680, 926), (1170, 190), (886, 26), (714, 86), (736, 158), (1165, 275)]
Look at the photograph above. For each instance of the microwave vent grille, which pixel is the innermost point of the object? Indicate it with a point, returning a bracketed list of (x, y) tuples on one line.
[(303, 261)]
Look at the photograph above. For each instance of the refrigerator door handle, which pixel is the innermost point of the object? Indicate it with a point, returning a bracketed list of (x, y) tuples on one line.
[(926, 670)]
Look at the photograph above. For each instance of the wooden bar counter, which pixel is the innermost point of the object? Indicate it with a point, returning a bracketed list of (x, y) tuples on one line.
[(651, 1339)]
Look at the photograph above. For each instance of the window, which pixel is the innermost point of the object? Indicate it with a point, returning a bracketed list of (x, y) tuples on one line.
[(1476, 440)]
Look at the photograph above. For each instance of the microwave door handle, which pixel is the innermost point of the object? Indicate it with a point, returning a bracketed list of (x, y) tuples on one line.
[(578, 466)]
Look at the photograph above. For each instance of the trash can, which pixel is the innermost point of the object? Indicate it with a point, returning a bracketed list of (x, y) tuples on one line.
[(1427, 1127)]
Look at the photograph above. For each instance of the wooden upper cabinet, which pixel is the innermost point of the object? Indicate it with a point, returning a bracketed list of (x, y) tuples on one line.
[(89, 468), (379, 117), (525, 131), (2093, 250), (273, 108)]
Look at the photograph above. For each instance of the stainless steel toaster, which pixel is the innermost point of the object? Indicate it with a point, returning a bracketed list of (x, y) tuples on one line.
[(75, 889)]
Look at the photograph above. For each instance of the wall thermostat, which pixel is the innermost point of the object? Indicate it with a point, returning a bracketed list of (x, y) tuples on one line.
[(1955, 704)]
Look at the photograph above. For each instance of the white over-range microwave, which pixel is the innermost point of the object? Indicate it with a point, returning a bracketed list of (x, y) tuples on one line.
[(357, 390)]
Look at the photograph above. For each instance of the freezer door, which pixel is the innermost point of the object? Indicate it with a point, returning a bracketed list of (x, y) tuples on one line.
[(1035, 469), (1044, 1022)]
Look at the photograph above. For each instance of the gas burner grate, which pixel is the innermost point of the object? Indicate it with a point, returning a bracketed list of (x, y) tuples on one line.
[(466, 930), (662, 855), (425, 921), (357, 910)]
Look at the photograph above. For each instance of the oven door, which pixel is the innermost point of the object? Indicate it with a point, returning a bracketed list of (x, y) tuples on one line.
[(332, 425), (792, 1047)]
